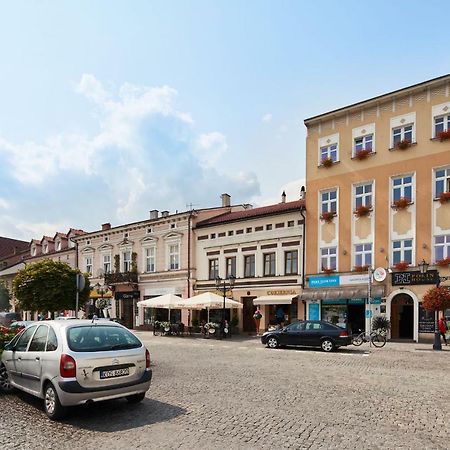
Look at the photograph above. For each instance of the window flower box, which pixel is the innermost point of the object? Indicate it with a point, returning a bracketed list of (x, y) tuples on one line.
[(443, 262), (327, 162), (328, 216), (362, 211), (403, 144), (361, 269), (402, 265), (444, 135), (401, 203), (444, 197), (362, 154), (328, 271)]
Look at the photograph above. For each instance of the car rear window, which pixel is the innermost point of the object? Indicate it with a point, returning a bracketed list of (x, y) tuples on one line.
[(100, 338)]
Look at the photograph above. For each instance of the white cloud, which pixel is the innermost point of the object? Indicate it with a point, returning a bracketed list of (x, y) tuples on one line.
[(3, 204), (292, 190), (210, 147), (266, 118)]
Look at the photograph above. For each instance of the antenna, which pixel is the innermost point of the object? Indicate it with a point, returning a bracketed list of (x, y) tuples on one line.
[(190, 206)]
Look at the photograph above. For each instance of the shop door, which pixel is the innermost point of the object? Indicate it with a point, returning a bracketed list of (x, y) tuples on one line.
[(127, 312), (356, 319), (402, 317), (248, 324)]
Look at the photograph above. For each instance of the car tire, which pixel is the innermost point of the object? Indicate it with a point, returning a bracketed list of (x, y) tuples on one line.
[(327, 345), (272, 342), (52, 405), (136, 398), (5, 385)]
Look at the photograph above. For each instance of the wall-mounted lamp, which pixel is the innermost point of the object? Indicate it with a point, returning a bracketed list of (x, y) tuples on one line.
[(344, 252), (381, 249), (424, 245)]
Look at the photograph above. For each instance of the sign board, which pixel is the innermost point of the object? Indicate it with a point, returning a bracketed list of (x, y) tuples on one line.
[(127, 295), (426, 320), (316, 281), (338, 280), (361, 278), (412, 278), (81, 282), (379, 274), (368, 314)]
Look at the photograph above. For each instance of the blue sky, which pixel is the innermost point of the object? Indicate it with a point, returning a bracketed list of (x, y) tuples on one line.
[(110, 109)]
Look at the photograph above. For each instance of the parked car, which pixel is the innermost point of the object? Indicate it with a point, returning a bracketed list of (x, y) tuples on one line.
[(308, 333), (65, 318), (74, 362)]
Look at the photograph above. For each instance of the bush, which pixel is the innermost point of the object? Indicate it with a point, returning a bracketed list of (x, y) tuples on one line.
[(380, 323)]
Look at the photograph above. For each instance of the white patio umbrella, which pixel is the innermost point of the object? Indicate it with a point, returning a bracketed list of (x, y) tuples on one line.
[(209, 300), (168, 301)]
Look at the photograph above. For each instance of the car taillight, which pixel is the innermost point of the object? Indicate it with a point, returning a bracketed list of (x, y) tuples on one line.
[(147, 359), (67, 367), (343, 334)]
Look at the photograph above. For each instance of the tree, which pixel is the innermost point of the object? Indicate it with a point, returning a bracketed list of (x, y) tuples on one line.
[(48, 286), (5, 305), (437, 299)]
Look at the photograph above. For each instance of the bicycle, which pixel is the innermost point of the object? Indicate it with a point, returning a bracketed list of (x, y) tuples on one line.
[(377, 338)]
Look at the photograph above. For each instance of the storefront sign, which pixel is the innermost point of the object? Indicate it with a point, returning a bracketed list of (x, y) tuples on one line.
[(352, 301), (353, 279), (126, 295), (160, 291), (283, 292), (317, 282), (411, 278), (426, 320)]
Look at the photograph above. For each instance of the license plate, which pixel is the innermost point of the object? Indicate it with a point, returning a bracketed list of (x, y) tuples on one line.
[(114, 373)]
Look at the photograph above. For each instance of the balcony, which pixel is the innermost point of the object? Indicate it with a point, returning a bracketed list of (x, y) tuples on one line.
[(121, 277)]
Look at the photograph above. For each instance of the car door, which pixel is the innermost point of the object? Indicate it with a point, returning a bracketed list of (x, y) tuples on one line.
[(292, 334), (18, 353), (312, 332), (32, 359)]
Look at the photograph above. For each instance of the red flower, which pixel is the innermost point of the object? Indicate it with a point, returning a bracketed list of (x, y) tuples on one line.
[(362, 210), (401, 203), (403, 144), (362, 154), (327, 162), (328, 216), (437, 299), (327, 270), (444, 135), (361, 268), (443, 262), (444, 197), (402, 265)]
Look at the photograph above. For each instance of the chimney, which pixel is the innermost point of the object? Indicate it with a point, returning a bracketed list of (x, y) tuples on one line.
[(226, 200), (283, 197), (154, 214), (164, 213), (302, 193), (106, 226)]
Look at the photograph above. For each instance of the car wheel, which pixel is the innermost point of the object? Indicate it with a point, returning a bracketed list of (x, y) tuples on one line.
[(272, 342), (52, 405), (327, 345), (5, 385), (136, 398)]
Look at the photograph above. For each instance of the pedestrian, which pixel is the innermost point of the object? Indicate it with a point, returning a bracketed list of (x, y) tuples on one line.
[(257, 316), (443, 328), (279, 315)]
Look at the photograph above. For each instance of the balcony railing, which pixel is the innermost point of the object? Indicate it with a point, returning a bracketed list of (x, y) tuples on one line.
[(121, 277)]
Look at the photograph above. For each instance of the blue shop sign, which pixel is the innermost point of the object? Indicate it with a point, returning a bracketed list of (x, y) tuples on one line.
[(315, 281)]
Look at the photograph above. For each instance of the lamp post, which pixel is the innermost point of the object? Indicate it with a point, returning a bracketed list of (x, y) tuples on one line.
[(224, 285), (423, 266), (101, 289)]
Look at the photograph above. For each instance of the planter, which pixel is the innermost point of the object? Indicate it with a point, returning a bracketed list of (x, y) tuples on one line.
[(328, 271), (362, 154), (403, 145), (443, 262), (361, 269), (401, 203), (328, 216), (402, 265), (444, 197), (362, 211), (444, 135), (326, 162)]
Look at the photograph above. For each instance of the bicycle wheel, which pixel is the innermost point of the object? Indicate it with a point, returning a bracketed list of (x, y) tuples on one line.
[(358, 340), (378, 340)]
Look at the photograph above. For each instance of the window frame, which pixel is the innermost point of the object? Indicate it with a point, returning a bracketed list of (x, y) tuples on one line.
[(445, 179), (269, 264), (402, 133), (252, 261), (364, 138), (292, 262), (125, 262), (230, 271), (328, 257), (213, 268), (89, 264), (363, 196), (401, 250), (329, 202), (148, 258), (402, 187), (326, 151), (104, 263), (445, 124), (173, 256), (445, 247), (363, 253)]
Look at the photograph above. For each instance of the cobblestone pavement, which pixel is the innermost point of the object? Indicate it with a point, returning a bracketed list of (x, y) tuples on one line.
[(236, 394)]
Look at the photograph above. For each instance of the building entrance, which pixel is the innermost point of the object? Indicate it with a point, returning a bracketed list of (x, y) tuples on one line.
[(356, 318), (248, 323), (402, 317)]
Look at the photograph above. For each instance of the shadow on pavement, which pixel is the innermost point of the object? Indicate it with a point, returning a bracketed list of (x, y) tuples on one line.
[(341, 350)]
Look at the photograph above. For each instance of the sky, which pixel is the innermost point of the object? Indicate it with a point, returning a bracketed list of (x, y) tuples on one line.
[(110, 109)]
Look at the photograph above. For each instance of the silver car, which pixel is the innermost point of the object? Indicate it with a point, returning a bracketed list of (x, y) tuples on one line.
[(73, 362)]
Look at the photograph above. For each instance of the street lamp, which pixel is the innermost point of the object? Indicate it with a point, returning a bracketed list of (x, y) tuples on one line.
[(101, 289), (224, 285)]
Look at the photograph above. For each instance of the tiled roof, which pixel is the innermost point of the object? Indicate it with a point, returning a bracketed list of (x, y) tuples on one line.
[(76, 232), (253, 213), (47, 238), (7, 246)]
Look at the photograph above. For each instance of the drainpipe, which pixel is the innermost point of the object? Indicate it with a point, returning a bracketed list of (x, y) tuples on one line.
[(302, 210)]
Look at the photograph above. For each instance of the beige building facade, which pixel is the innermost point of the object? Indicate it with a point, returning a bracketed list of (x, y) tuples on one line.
[(378, 178)]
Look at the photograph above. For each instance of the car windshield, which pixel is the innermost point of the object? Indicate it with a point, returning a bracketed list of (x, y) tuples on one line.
[(100, 338)]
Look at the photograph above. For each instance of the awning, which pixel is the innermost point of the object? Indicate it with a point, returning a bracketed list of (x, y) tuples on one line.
[(341, 293), (274, 300)]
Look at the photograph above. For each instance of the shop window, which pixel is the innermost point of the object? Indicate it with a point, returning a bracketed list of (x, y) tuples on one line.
[(402, 251), (328, 258), (249, 266), (269, 264), (441, 181), (231, 266), (291, 262), (441, 247), (213, 268)]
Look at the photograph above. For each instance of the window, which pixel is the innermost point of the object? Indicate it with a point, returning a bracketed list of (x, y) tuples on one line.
[(33, 251), (106, 263), (402, 251), (329, 201), (58, 246), (88, 264), (213, 235), (126, 261), (230, 233), (291, 262), (363, 195), (441, 123), (39, 339), (441, 247), (174, 256), (45, 248), (269, 227), (106, 239), (363, 255), (125, 235), (329, 152), (149, 230), (88, 242), (22, 343), (402, 187), (314, 326), (363, 143), (249, 266), (328, 258), (441, 181), (404, 133), (269, 264), (52, 342), (213, 268), (173, 225), (239, 231), (231, 266), (149, 256), (249, 230), (291, 223)]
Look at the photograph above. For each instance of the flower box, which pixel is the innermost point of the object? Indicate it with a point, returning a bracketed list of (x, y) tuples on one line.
[(361, 268), (403, 144), (328, 271), (444, 135), (401, 203), (444, 197), (328, 216), (443, 262), (327, 162), (362, 154), (362, 210), (402, 265)]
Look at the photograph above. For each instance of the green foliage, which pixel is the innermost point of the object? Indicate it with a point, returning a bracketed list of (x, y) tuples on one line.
[(380, 323), (5, 337), (5, 305), (48, 286)]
